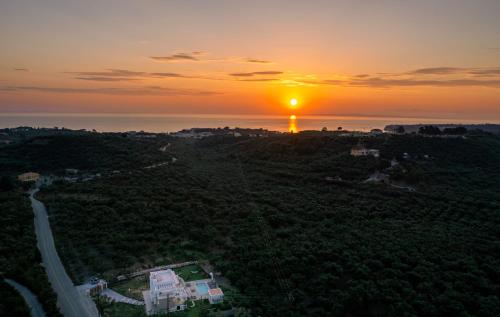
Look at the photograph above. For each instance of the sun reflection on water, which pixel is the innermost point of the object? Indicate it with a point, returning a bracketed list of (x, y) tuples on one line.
[(292, 124)]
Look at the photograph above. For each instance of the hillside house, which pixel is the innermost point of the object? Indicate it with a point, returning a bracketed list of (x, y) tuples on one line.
[(29, 177), (167, 291), (71, 171), (362, 151), (193, 133)]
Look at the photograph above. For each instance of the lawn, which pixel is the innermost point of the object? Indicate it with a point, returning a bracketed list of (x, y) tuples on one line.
[(133, 288), (123, 310), (196, 311), (191, 273)]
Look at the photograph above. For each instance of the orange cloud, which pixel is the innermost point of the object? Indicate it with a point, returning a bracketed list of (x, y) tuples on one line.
[(137, 91), (196, 56), (251, 74)]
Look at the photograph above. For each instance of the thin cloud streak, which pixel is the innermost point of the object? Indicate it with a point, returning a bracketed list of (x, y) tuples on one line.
[(176, 57), (124, 75), (378, 82), (116, 75), (257, 61), (485, 72), (437, 71), (197, 56), (430, 77), (168, 75), (250, 74), (456, 70), (139, 91), (259, 79), (96, 78), (109, 75)]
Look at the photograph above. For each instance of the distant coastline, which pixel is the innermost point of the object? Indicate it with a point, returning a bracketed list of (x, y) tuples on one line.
[(414, 128), (451, 118), (111, 122)]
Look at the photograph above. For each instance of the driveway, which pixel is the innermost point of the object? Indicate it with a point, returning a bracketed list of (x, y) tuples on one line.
[(117, 297), (111, 294)]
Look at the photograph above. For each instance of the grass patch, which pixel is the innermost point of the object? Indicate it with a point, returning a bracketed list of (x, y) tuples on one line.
[(123, 310), (196, 311), (201, 308), (133, 288), (191, 273)]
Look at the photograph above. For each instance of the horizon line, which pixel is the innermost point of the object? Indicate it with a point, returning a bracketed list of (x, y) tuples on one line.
[(163, 114)]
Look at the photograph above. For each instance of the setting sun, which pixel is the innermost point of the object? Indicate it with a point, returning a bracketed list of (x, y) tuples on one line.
[(293, 102)]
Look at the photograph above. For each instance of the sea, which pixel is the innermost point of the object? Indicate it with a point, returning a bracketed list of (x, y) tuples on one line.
[(175, 122)]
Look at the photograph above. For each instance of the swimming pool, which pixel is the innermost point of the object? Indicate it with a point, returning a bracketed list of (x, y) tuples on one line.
[(202, 289)]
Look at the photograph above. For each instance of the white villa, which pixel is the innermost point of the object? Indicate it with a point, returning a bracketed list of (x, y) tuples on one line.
[(167, 291)]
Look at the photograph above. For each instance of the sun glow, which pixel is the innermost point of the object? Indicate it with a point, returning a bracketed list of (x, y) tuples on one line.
[(293, 102)]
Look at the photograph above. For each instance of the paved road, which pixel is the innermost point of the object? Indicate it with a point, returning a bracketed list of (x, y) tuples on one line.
[(71, 302), (30, 298)]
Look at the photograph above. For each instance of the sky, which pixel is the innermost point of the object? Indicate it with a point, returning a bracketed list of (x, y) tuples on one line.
[(427, 58)]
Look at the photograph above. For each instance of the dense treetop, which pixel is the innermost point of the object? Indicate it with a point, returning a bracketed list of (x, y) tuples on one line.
[(289, 219)]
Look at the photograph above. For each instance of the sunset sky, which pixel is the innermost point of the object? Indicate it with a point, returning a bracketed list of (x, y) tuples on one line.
[(435, 58)]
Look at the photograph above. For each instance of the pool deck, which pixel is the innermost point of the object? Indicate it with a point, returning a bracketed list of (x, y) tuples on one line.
[(192, 290)]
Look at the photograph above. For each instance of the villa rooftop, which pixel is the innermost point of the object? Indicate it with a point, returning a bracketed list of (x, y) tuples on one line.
[(167, 276)]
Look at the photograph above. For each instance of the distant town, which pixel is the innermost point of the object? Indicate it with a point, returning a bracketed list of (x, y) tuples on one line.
[(9, 135)]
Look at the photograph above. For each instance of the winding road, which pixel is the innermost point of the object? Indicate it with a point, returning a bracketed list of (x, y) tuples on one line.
[(30, 298), (71, 302)]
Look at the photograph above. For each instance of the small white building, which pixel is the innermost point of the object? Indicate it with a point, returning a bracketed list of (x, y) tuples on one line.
[(167, 291), (362, 151), (97, 286), (29, 177), (71, 171), (215, 295)]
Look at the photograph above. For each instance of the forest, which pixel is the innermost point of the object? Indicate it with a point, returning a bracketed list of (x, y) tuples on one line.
[(288, 219)]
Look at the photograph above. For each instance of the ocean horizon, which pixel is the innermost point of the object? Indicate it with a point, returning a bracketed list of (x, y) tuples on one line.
[(150, 122)]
